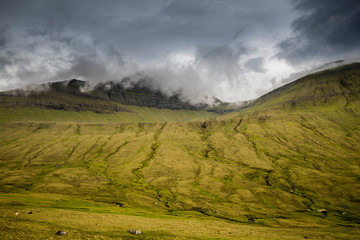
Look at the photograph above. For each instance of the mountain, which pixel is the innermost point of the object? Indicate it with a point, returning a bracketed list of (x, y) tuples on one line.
[(339, 85), (73, 95), (135, 103), (75, 100), (56, 95), (285, 167)]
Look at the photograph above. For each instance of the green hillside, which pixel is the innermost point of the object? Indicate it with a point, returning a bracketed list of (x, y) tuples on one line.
[(267, 172), (130, 114), (334, 88)]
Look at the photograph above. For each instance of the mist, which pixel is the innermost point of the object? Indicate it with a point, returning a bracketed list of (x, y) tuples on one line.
[(231, 50), (228, 72)]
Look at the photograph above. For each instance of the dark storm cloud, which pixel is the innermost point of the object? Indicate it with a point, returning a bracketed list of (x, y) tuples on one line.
[(5, 55), (48, 55), (3, 36), (147, 29), (195, 47), (237, 34), (327, 30), (205, 47)]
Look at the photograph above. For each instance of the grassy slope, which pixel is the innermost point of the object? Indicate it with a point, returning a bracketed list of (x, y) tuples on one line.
[(276, 162), (327, 90), (134, 114), (89, 220), (85, 109)]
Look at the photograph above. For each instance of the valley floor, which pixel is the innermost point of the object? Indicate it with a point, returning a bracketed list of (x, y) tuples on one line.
[(259, 176), (40, 216)]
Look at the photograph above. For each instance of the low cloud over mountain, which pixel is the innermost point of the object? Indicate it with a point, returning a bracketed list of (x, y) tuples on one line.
[(234, 50)]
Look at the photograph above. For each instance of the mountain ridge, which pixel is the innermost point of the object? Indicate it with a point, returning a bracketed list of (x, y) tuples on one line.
[(108, 94), (313, 89)]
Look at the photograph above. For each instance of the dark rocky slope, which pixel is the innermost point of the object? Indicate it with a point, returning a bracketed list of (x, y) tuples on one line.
[(103, 98)]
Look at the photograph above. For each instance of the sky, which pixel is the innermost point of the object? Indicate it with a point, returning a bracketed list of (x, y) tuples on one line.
[(234, 50)]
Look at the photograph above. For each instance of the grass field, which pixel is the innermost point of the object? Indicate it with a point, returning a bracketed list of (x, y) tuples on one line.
[(279, 171), (132, 114), (86, 219), (262, 173)]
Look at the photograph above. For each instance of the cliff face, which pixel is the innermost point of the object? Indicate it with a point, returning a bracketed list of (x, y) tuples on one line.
[(141, 95), (108, 97)]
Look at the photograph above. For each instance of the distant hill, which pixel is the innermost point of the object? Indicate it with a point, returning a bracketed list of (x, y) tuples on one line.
[(75, 96), (72, 95), (340, 85), (71, 101)]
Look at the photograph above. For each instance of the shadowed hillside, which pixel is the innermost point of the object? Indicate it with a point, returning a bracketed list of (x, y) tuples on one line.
[(291, 160), (76, 95), (64, 101)]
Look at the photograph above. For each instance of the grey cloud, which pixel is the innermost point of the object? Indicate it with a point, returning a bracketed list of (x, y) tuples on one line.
[(82, 67), (237, 33), (231, 41), (326, 30), (42, 55), (147, 29), (256, 65), (93, 67), (220, 59), (4, 61), (6, 56), (214, 72), (4, 36)]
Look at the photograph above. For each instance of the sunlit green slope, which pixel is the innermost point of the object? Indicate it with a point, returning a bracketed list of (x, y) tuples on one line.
[(328, 90), (130, 115)]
